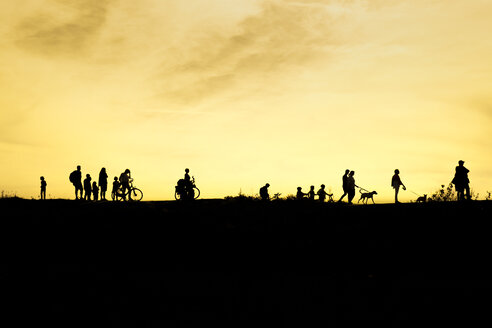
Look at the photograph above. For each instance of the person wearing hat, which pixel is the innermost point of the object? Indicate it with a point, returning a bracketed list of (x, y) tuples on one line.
[(461, 181), (396, 183)]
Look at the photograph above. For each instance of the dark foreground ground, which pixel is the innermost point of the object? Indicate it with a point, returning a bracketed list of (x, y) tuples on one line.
[(244, 264)]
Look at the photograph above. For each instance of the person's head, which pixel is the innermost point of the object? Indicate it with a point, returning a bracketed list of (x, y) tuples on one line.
[(103, 169), (127, 171), (41, 178), (347, 171), (352, 173), (87, 175), (78, 167), (94, 183), (299, 188), (322, 186), (397, 171), (115, 178), (267, 185), (461, 162), (187, 170), (312, 187)]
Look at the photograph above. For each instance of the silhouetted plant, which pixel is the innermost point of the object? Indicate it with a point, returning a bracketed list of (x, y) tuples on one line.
[(488, 195), (276, 196), (445, 194)]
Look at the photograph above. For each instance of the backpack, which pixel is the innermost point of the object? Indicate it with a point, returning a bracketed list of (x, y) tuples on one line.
[(72, 177)]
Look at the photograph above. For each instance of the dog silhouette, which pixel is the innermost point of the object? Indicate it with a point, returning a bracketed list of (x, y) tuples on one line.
[(422, 199), (365, 196)]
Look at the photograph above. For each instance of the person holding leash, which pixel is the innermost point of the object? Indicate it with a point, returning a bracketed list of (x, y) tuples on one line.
[(351, 186), (396, 183)]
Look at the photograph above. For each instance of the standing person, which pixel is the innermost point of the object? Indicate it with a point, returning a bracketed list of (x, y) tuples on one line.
[(322, 193), (76, 180), (264, 192), (396, 183), (351, 186), (116, 186), (95, 190), (87, 186), (344, 184), (43, 188), (103, 183), (461, 181), (311, 193), (125, 182)]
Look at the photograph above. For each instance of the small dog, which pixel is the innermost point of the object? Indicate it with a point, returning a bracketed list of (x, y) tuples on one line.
[(422, 199), (366, 196)]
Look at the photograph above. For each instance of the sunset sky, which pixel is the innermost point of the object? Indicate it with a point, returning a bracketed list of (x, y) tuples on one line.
[(244, 92)]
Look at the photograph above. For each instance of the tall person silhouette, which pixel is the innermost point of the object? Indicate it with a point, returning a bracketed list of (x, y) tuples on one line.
[(351, 186), (76, 180), (461, 181), (396, 183), (103, 183), (344, 184)]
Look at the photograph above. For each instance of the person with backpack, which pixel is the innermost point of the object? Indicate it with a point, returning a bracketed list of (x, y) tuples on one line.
[(264, 192), (76, 179)]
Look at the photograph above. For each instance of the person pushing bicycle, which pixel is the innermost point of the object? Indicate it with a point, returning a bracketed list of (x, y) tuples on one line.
[(125, 179)]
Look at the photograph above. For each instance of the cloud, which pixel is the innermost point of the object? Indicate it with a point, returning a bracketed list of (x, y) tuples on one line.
[(279, 37), (62, 27)]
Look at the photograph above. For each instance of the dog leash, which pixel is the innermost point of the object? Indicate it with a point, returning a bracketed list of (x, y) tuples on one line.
[(360, 188), (413, 192)]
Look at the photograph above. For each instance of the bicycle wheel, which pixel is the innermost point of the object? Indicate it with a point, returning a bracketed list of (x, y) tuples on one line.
[(136, 194), (197, 192), (177, 195)]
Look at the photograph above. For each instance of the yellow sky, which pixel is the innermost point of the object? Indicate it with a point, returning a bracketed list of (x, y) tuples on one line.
[(243, 92)]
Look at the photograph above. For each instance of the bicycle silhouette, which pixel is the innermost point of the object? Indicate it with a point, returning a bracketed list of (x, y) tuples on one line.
[(132, 193), (186, 191)]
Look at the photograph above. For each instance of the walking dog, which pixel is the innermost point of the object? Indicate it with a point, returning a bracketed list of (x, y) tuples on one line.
[(365, 196)]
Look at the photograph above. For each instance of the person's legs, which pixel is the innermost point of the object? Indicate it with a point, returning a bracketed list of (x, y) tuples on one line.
[(467, 191), (344, 194), (397, 189)]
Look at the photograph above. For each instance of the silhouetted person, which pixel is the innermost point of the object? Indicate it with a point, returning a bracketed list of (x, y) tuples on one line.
[(351, 186), (87, 187), (125, 182), (43, 188), (461, 181), (95, 191), (116, 186), (344, 184), (311, 193), (76, 180), (396, 183), (322, 193), (264, 192), (300, 194), (103, 183)]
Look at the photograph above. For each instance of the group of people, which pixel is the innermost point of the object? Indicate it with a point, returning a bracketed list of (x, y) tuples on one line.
[(460, 181), (88, 189), (122, 185)]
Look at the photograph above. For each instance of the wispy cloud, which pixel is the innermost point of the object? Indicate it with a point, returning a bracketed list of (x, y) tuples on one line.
[(281, 36), (62, 27)]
